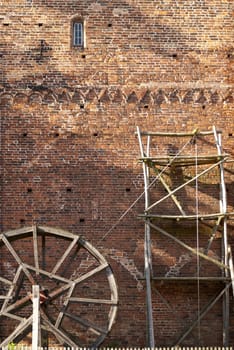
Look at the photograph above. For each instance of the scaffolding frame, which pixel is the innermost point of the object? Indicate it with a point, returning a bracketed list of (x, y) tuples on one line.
[(153, 163)]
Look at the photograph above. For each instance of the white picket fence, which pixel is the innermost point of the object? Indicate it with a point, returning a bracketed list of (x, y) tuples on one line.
[(20, 347)]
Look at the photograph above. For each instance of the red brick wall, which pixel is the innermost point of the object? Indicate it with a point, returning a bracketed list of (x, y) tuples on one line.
[(68, 145)]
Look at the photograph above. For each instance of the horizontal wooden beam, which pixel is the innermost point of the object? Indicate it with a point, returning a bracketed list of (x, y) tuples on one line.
[(183, 160), (2, 297), (202, 279), (178, 134), (93, 301), (200, 217)]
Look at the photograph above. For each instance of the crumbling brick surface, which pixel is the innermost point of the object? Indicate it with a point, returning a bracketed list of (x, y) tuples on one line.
[(69, 150)]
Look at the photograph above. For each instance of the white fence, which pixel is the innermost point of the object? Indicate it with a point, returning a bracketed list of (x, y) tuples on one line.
[(19, 347)]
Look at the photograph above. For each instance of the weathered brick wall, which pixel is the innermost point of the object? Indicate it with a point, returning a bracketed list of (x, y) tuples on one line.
[(68, 145)]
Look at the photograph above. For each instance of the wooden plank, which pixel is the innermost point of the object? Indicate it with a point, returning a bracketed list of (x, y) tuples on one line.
[(95, 329), (21, 327), (11, 289), (18, 260), (194, 251), (177, 134), (35, 249), (56, 231), (18, 287), (60, 335), (177, 203), (180, 161), (3, 297), (139, 133), (62, 289), (93, 251), (50, 274), (91, 273), (14, 317), (114, 297), (36, 316), (17, 232), (213, 234), (147, 258), (183, 185), (230, 262), (4, 280), (181, 157), (63, 309), (202, 314), (226, 317), (93, 301), (18, 304), (57, 292), (200, 217), (66, 253), (147, 244), (181, 278), (223, 209)]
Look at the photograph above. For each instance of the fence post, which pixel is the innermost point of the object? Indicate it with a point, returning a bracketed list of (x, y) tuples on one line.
[(36, 317)]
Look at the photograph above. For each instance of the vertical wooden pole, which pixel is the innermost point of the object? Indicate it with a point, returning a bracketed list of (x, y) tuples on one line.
[(148, 262), (36, 316), (223, 210)]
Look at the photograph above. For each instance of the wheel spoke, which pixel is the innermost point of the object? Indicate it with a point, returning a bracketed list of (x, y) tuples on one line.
[(93, 301), (63, 338), (87, 324), (20, 329), (4, 280), (68, 250), (62, 289), (9, 294), (18, 260), (91, 273), (35, 249), (17, 305), (60, 316), (14, 317), (49, 274)]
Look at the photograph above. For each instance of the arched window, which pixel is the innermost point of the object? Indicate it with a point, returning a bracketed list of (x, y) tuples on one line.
[(78, 33)]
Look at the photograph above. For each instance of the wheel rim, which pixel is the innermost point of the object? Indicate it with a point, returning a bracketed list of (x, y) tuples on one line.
[(78, 292)]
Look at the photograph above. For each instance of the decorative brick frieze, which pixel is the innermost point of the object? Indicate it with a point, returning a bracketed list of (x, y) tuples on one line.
[(106, 96)]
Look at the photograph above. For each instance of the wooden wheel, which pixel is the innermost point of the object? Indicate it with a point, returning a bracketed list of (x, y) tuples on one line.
[(78, 293)]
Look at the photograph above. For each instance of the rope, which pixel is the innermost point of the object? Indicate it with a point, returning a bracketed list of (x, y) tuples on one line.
[(197, 236), (147, 188)]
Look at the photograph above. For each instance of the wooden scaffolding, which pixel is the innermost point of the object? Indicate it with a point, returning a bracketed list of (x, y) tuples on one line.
[(175, 163)]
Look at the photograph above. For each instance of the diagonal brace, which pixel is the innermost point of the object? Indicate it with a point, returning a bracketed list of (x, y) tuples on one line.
[(184, 245), (185, 184)]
